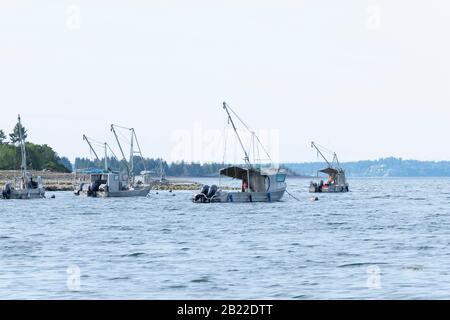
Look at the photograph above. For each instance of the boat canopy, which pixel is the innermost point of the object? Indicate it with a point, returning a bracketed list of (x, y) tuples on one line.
[(237, 172), (94, 171), (329, 171)]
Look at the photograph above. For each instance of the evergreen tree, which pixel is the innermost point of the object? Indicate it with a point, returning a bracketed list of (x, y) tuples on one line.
[(66, 163), (15, 137), (2, 136)]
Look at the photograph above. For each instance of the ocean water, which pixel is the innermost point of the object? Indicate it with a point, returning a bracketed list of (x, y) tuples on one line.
[(386, 239)]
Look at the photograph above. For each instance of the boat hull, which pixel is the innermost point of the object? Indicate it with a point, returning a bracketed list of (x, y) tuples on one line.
[(329, 189), (241, 197), (117, 194), (130, 193), (25, 194)]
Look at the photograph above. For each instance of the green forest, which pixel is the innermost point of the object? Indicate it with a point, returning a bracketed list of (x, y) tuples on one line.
[(39, 157)]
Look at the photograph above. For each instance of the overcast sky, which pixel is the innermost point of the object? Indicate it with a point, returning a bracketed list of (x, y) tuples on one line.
[(368, 79)]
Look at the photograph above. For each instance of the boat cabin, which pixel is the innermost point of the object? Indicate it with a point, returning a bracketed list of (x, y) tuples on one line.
[(336, 177), (255, 179), (112, 180)]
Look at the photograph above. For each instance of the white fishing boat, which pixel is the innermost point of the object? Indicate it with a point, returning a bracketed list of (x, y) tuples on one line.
[(336, 178), (108, 183), (23, 186), (258, 184)]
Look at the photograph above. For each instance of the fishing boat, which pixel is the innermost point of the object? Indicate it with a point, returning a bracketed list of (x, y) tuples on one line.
[(109, 183), (23, 186), (162, 172), (336, 178), (258, 184)]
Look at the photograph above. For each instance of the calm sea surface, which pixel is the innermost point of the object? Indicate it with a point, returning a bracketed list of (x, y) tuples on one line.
[(387, 239)]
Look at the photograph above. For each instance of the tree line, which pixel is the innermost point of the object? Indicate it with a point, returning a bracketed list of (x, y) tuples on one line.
[(157, 167), (384, 167), (39, 157)]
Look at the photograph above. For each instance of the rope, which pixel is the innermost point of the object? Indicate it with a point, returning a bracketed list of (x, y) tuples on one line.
[(249, 130), (324, 149), (292, 196), (96, 142), (111, 150), (122, 135)]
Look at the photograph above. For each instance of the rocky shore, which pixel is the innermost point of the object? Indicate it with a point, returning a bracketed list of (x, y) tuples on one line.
[(65, 181)]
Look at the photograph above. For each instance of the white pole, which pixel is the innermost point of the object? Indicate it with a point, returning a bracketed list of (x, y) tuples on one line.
[(131, 157), (22, 149), (106, 157)]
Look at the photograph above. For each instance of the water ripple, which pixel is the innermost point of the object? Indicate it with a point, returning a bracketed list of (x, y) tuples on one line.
[(392, 230)]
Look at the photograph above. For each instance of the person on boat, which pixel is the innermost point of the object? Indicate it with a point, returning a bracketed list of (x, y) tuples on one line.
[(244, 183), (330, 180), (320, 186), (33, 184)]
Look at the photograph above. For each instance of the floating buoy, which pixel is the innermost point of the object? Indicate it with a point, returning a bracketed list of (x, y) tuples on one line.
[(314, 199)]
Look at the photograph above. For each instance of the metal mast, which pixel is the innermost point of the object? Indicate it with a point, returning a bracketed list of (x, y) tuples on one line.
[(121, 150), (313, 145), (90, 146), (246, 159), (139, 150), (161, 170), (106, 157), (22, 149), (130, 166), (132, 153), (335, 158)]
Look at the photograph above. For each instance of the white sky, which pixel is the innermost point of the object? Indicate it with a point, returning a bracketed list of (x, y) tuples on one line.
[(368, 79)]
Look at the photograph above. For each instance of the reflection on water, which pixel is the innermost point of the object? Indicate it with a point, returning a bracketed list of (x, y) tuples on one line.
[(388, 239)]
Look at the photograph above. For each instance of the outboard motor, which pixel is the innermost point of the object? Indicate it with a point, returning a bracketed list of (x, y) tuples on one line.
[(205, 189), (96, 186), (202, 196), (6, 192), (89, 191), (79, 189), (212, 191)]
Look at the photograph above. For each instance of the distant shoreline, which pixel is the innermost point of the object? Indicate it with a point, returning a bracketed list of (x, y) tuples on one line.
[(54, 181)]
